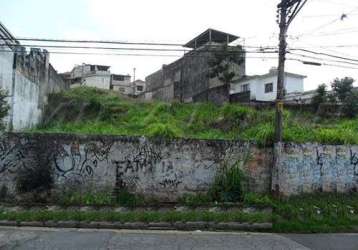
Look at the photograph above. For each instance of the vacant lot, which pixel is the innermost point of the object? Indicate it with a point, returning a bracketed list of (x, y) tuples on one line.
[(92, 111)]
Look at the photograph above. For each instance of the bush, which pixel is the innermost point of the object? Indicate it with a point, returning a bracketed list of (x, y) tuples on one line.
[(194, 200), (229, 185), (350, 105), (320, 97), (259, 200), (162, 130)]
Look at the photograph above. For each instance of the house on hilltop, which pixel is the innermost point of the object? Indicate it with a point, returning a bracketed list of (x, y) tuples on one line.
[(187, 79), (264, 87), (99, 76)]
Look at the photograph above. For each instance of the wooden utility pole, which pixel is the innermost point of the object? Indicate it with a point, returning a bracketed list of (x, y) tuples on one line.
[(287, 9)]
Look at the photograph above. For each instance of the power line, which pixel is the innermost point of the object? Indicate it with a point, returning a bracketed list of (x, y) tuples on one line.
[(96, 41), (322, 59), (325, 54)]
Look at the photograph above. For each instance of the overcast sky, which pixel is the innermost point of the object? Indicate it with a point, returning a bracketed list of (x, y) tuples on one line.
[(318, 27)]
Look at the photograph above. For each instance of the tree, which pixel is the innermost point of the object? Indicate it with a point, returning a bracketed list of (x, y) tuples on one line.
[(342, 88), (4, 108), (320, 97), (224, 59), (343, 92), (350, 105)]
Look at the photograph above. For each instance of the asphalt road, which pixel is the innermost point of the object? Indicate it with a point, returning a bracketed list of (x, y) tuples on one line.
[(68, 239)]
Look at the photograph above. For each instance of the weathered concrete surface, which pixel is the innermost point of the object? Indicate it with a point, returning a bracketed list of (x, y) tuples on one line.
[(67, 239), (28, 78), (160, 168), (307, 168), (326, 241)]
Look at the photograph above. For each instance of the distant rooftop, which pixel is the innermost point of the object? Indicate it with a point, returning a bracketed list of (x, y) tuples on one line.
[(7, 36), (272, 72), (211, 35)]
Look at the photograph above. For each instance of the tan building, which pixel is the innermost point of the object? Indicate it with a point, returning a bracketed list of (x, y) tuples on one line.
[(122, 84)]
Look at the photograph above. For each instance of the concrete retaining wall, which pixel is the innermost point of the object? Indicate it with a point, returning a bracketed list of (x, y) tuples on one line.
[(162, 169), (168, 169), (308, 168)]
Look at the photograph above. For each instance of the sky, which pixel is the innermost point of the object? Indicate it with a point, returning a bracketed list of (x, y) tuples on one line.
[(318, 27)]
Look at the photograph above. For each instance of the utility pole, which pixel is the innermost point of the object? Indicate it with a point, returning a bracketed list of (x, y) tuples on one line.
[(287, 11)]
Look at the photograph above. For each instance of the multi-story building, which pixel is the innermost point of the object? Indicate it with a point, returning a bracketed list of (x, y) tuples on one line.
[(89, 75), (122, 84), (187, 79), (99, 76)]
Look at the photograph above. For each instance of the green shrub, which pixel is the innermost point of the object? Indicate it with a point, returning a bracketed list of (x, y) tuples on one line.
[(259, 200), (350, 105), (229, 185), (128, 199), (194, 200), (162, 130)]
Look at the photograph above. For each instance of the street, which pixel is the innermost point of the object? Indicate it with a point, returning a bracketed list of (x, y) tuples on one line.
[(45, 238)]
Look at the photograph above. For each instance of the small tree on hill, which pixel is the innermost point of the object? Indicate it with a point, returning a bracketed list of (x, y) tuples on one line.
[(342, 87), (4, 108), (343, 91), (320, 97), (223, 63), (350, 105)]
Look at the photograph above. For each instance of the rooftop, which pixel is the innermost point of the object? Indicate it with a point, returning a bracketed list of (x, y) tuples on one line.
[(211, 35), (272, 72)]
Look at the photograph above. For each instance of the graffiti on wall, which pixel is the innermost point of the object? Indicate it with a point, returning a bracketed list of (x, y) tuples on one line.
[(312, 167), (77, 162), (354, 161), (13, 154), (129, 169)]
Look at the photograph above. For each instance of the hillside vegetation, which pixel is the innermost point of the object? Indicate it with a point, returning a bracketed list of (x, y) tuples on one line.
[(93, 111)]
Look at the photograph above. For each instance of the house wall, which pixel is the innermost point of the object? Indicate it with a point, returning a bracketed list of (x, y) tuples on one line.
[(186, 78), (153, 167), (257, 87), (28, 78), (98, 80), (124, 87), (6, 70), (140, 84)]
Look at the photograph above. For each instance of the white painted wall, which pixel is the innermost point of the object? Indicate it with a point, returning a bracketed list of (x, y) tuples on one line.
[(26, 110), (6, 64), (101, 81), (257, 86)]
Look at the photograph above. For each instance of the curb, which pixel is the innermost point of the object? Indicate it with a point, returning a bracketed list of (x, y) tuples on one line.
[(180, 226)]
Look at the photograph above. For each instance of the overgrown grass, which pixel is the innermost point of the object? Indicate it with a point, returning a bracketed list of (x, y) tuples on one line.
[(317, 213), (93, 111), (97, 199), (154, 216)]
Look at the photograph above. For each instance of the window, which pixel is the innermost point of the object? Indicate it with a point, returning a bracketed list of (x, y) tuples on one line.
[(268, 87), (245, 88), (118, 78), (139, 88), (93, 68)]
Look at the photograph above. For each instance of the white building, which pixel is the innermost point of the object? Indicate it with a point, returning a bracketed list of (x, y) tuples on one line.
[(139, 87), (264, 87), (89, 75)]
